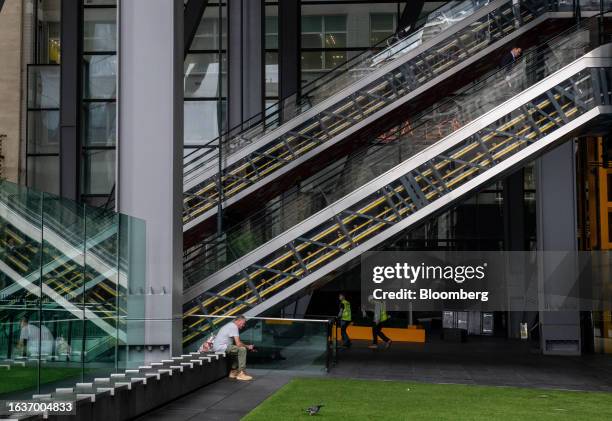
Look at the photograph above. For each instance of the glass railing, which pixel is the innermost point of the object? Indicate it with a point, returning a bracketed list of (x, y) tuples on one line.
[(280, 344), (393, 145), (67, 282)]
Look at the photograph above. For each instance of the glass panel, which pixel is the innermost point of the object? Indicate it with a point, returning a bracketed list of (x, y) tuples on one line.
[(335, 24), (43, 132), (312, 40), (99, 76), (202, 120), (67, 328), (202, 76), (100, 29), (43, 86), (207, 35), (99, 171), (99, 123), (102, 289), (271, 74), (271, 27), (280, 344), (48, 31), (311, 24), (43, 173), (382, 26)]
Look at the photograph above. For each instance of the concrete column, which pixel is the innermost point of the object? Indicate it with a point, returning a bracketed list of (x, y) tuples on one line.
[(10, 88), (556, 231), (245, 52), (149, 150)]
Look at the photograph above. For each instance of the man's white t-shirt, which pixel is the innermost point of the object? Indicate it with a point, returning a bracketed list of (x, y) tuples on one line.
[(33, 334), (225, 337)]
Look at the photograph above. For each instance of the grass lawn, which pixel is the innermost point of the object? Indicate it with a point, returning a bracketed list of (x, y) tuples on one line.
[(20, 378), (394, 400)]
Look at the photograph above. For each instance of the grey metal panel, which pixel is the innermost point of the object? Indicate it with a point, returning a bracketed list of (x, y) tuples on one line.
[(556, 222), (149, 184)]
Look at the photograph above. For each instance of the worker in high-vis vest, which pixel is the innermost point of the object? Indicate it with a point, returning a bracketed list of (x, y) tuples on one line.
[(345, 319), (380, 319)]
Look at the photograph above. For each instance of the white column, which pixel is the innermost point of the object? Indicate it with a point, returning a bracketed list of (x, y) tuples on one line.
[(150, 146)]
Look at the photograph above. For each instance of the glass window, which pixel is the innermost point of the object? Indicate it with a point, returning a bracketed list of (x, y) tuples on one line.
[(312, 24), (99, 171), (207, 34), (271, 74), (312, 60), (43, 87), (99, 76), (43, 132), (382, 26), (99, 123), (202, 75), (99, 29), (47, 31), (201, 122), (271, 25), (43, 173)]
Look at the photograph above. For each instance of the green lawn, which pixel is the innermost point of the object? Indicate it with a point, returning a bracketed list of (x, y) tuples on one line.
[(20, 378), (393, 400)]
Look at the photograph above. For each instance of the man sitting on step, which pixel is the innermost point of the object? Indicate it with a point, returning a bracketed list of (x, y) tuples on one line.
[(228, 341)]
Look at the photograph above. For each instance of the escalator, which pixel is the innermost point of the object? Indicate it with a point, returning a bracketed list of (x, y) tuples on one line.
[(376, 87), (557, 91), (66, 271)]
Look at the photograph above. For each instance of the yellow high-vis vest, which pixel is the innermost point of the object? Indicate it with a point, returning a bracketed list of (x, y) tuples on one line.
[(346, 311)]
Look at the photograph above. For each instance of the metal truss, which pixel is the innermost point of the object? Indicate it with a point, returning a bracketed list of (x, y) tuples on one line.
[(460, 163), (397, 79)]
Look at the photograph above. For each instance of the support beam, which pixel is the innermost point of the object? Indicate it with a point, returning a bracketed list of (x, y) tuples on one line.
[(71, 77), (556, 218), (194, 10), (150, 157)]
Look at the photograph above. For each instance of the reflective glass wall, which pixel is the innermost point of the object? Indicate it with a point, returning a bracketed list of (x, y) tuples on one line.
[(69, 279)]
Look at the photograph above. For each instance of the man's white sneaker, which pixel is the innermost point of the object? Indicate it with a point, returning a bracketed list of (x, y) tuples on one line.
[(243, 376)]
